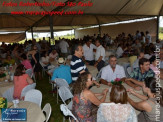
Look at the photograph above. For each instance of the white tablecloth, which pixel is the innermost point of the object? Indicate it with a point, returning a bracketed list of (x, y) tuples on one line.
[(34, 112), (4, 86)]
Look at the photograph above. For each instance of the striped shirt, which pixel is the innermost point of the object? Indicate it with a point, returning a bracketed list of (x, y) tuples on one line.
[(77, 65)]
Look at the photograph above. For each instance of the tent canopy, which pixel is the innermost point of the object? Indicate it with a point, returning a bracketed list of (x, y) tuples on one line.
[(102, 12)]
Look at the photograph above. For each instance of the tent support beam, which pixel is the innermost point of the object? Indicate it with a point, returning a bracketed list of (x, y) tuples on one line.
[(157, 31), (32, 32), (99, 27), (26, 35), (123, 7), (51, 26)]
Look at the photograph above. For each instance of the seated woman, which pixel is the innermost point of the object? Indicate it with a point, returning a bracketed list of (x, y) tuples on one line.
[(84, 101), (21, 80), (117, 110), (149, 104), (45, 60), (9, 60), (25, 61)]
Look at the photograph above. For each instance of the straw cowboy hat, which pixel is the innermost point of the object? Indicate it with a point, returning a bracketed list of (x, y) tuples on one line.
[(61, 61)]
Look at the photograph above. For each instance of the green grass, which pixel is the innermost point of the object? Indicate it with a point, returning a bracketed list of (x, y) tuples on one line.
[(160, 35), (45, 87)]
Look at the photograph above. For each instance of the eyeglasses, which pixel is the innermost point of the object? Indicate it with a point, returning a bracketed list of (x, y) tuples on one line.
[(90, 78)]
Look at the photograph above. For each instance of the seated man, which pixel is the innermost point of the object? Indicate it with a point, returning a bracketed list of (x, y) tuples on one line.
[(112, 71), (63, 71), (139, 74), (136, 62), (53, 55), (77, 64)]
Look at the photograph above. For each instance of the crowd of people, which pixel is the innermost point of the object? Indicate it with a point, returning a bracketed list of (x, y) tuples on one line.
[(91, 50)]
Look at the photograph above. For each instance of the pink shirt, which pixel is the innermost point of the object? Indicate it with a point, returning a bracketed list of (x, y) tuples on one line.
[(19, 83), (27, 64), (155, 69)]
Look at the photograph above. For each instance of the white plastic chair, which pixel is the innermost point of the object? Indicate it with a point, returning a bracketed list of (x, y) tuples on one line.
[(69, 57), (34, 96), (129, 70), (43, 69), (27, 88), (60, 82), (67, 112), (29, 72), (65, 94), (99, 74), (9, 94), (47, 109)]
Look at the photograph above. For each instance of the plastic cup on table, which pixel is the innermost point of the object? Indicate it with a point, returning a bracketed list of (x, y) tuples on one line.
[(15, 101)]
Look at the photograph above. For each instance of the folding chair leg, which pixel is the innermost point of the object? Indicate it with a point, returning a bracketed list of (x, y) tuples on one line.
[(63, 119), (57, 95)]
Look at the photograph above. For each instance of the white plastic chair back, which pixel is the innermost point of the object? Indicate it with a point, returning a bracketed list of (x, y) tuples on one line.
[(27, 88), (29, 72), (9, 94), (34, 96), (47, 110), (65, 94), (69, 57), (67, 112), (99, 74), (129, 70), (61, 82)]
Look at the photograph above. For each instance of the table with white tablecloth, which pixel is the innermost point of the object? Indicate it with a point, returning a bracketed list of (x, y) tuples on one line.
[(93, 70), (34, 112), (4, 86), (94, 89)]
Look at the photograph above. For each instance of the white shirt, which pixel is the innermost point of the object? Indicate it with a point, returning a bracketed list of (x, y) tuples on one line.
[(119, 52), (63, 45), (108, 74), (148, 36), (44, 59), (100, 51), (88, 52), (51, 55)]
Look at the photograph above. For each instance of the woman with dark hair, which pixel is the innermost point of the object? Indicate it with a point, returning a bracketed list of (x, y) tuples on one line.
[(25, 61), (84, 101), (117, 110), (35, 61), (152, 104), (21, 80)]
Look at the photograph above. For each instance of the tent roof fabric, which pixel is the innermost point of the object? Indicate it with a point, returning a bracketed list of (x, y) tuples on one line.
[(102, 12), (12, 37)]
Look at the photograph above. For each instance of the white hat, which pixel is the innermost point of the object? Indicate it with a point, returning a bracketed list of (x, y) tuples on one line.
[(61, 61)]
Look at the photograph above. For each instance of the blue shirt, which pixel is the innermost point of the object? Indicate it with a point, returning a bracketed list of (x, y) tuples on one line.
[(63, 71)]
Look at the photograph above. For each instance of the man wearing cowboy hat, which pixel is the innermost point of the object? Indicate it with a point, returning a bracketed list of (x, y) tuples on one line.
[(63, 71)]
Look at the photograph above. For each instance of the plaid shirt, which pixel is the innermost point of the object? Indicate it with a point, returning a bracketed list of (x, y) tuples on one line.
[(136, 74)]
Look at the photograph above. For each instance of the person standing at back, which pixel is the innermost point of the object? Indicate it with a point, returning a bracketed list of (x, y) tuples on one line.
[(63, 45), (99, 56)]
